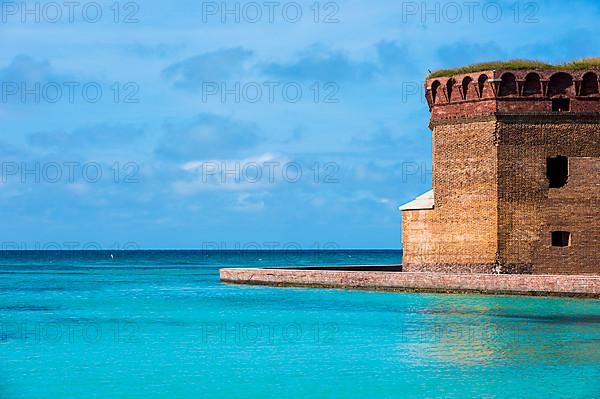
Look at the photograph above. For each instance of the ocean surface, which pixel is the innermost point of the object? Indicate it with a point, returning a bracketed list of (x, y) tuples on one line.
[(159, 324)]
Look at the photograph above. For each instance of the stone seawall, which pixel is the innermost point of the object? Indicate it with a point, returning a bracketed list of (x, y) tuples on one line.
[(510, 284)]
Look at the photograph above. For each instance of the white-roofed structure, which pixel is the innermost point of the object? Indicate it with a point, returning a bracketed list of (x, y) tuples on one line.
[(423, 201)]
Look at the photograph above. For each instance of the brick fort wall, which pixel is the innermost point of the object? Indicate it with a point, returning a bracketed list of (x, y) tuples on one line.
[(494, 210)]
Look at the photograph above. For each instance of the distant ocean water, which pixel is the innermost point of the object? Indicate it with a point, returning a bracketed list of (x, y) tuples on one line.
[(159, 324)]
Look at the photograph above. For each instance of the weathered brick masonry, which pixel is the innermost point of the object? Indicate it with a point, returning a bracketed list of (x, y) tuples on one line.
[(495, 134)]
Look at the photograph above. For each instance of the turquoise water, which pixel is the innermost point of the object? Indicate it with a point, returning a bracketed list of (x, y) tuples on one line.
[(159, 324)]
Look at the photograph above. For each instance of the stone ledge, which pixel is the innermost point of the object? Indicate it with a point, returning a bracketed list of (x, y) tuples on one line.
[(519, 117), (496, 284)]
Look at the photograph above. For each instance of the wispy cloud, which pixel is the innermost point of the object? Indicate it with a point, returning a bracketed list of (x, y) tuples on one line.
[(24, 68), (321, 64), (214, 66), (248, 174)]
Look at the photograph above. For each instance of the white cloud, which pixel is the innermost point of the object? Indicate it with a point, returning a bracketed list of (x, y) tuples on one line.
[(249, 174), (247, 202)]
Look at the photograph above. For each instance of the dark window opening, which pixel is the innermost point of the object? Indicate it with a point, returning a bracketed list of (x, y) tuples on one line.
[(449, 87), (434, 89), (557, 171), (560, 83), (508, 86), (466, 84), (589, 85), (533, 85), (561, 239), (561, 105), (481, 83)]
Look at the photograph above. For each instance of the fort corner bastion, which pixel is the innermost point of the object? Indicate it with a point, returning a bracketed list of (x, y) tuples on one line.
[(516, 174), (515, 202)]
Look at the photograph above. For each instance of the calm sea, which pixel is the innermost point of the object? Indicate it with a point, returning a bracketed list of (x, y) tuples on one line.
[(158, 324)]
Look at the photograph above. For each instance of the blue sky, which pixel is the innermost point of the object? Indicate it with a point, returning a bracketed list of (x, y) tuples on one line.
[(337, 101)]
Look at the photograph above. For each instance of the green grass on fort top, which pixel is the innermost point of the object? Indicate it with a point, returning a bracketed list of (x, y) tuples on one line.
[(517, 64)]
